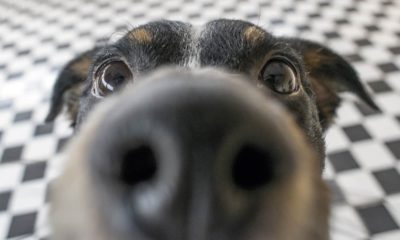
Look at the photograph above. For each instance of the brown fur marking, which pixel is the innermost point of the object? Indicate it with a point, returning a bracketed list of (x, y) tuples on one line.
[(82, 66), (253, 34), (141, 35)]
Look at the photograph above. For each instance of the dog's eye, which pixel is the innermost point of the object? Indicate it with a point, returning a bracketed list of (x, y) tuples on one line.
[(280, 77), (112, 76)]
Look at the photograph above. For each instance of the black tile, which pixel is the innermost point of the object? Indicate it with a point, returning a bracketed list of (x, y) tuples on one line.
[(342, 21), (12, 154), (208, 4), (354, 58), (23, 52), (331, 35), (22, 225), (4, 200), (68, 27), (342, 161), (252, 16), (395, 50), (34, 171), (324, 4), (84, 34), (288, 9), (388, 67), (303, 27), (336, 194), (63, 46), (61, 144), (380, 86), (4, 104), (103, 21), (194, 15), (8, 45), (363, 42), (366, 110), (12, 76), (387, 3), (47, 40), (40, 60), (389, 179), (43, 129), (356, 133), (377, 218), (372, 28), (22, 116), (394, 147), (314, 15), (173, 10), (155, 5), (229, 9), (351, 9), (380, 15), (276, 21)]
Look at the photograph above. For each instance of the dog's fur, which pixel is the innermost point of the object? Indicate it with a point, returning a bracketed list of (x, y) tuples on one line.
[(238, 47)]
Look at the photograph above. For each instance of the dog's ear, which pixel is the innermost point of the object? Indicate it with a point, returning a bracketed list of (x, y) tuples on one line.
[(329, 75), (68, 86)]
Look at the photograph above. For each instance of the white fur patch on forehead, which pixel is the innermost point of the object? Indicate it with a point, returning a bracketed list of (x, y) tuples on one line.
[(192, 60)]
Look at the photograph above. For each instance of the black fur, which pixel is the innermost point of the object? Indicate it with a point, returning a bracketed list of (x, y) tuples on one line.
[(222, 43)]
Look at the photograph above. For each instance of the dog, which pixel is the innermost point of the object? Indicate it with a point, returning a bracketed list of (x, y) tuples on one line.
[(211, 132)]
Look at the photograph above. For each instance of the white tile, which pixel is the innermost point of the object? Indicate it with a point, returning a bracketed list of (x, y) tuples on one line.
[(384, 39), (367, 71), (375, 54), (382, 127), (391, 235), (393, 80), (348, 114), (5, 220), (28, 197), (6, 118), (359, 187), (328, 173), (372, 155), (392, 203), (18, 134), (389, 102), (343, 46), (10, 175), (336, 139), (42, 221), (346, 224), (352, 32), (40, 148)]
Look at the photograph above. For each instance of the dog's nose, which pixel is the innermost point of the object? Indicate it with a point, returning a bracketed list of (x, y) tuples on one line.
[(188, 156)]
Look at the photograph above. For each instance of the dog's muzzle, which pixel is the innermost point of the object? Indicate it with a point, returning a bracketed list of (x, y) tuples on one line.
[(185, 155)]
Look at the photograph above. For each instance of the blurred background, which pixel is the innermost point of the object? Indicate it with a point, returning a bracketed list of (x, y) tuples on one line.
[(37, 37)]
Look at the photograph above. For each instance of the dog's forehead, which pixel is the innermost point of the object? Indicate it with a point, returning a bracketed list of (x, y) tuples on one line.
[(229, 43)]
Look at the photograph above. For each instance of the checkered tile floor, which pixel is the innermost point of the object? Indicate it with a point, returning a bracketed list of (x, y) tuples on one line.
[(38, 36)]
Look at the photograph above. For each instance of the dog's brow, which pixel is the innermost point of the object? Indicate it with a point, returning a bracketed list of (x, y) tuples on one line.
[(141, 35), (253, 34)]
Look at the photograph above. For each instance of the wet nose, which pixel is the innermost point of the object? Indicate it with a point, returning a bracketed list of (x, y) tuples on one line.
[(187, 156)]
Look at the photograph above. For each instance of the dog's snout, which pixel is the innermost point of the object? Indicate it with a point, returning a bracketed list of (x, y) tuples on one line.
[(195, 156)]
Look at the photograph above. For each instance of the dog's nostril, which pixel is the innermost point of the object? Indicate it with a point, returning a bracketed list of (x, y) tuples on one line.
[(253, 168), (138, 165)]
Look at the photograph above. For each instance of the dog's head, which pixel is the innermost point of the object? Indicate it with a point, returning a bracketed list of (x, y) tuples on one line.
[(204, 135)]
